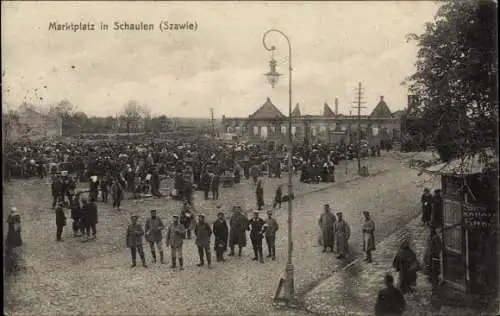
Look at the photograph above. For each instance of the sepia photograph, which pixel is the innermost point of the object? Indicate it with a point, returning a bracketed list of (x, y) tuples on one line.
[(197, 158)]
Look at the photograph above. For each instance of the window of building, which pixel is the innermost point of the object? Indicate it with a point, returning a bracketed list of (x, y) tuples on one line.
[(375, 131), (255, 131), (283, 130)]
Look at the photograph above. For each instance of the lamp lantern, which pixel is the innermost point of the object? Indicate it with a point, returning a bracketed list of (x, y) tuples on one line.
[(273, 76)]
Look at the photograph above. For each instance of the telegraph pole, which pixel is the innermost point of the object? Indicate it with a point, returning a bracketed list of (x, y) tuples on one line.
[(359, 102), (212, 119)]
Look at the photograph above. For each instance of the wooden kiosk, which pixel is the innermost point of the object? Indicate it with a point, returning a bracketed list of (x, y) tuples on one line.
[(470, 229)]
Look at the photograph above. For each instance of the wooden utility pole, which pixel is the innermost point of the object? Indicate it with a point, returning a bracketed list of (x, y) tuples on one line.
[(359, 102), (212, 120)]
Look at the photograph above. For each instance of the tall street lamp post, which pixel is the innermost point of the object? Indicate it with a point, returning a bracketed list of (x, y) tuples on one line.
[(273, 77)]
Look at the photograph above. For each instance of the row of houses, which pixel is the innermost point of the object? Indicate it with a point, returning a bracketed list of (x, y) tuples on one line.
[(269, 123)]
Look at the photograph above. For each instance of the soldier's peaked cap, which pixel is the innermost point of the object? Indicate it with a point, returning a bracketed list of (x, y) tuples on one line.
[(339, 213), (256, 212), (201, 215), (270, 212), (366, 213), (134, 216)]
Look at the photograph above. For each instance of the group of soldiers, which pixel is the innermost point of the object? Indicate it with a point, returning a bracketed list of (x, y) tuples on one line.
[(180, 228), (335, 234)]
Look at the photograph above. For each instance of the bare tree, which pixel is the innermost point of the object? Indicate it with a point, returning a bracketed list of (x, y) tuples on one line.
[(133, 112)]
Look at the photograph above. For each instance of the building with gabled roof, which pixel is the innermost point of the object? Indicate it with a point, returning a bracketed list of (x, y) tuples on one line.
[(269, 123), (296, 111), (381, 109), (267, 111), (327, 111)]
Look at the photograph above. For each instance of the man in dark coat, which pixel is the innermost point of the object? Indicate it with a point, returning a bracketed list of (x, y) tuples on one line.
[(134, 241), (221, 233), (203, 233), (278, 196), (237, 235), (12, 242), (205, 184), (56, 188), (390, 301), (91, 211), (437, 209), (255, 226), (60, 221), (76, 215), (155, 183), (259, 192), (116, 194), (215, 186), (187, 219), (13, 239), (426, 201), (432, 257), (93, 188), (406, 263), (105, 188)]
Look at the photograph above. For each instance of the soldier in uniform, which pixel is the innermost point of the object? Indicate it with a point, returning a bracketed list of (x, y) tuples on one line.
[(255, 226), (271, 227), (327, 226), (175, 238), (342, 234), (153, 230), (134, 241), (203, 233)]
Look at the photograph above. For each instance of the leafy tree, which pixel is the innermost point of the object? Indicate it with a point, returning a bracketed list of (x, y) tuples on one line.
[(456, 77)]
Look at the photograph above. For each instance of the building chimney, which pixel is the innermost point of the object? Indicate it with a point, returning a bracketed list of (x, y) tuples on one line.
[(336, 106), (381, 98)]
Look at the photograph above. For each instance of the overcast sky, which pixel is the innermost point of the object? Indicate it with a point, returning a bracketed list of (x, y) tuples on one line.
[(221, 65)]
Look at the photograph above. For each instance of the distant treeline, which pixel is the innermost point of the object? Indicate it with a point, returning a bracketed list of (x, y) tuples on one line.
[(79, 123)]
